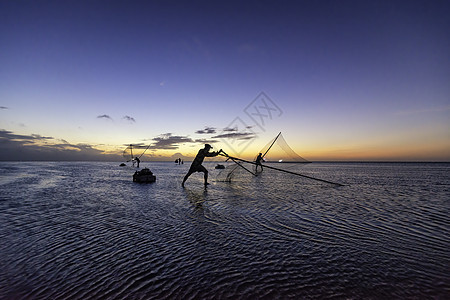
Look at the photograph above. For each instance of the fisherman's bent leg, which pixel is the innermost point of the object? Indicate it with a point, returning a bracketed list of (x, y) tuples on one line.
[(205, 173), (206, 177), (186, 177)]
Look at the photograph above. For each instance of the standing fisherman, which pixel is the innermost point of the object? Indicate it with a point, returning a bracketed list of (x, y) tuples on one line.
[(196, 165), (258, 162), (137, 160)]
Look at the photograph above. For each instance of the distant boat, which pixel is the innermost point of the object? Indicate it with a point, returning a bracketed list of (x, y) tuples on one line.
[(219, 166), (122, 165), (144, 176)]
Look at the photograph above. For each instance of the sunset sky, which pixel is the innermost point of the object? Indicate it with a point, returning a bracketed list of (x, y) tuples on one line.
[(342, 80)]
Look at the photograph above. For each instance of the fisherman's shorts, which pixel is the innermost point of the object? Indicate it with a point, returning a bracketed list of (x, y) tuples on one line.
[(198, 168)]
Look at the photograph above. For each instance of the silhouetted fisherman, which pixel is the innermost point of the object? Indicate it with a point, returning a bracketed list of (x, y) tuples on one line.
[(138, 161), (196, 165), (258, 161)]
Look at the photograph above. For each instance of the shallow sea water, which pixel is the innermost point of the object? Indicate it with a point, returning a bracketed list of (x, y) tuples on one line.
[(86, 231)]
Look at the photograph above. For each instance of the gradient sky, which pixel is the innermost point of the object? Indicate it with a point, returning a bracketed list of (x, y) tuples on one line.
[(346, 80)]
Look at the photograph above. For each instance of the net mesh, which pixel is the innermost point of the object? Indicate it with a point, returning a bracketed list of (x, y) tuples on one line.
[(277, 150), (133, 151), (232, 171)]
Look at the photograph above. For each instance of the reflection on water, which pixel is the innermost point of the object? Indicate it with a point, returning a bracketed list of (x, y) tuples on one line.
[(196, 196), (85, 230)]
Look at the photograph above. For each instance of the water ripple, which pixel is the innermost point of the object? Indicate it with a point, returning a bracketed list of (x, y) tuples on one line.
[(86, 231)]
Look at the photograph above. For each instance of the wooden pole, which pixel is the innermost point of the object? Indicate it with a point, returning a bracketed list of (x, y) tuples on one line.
[(286, 171), (145, 150), (271, 145), (240, 165)]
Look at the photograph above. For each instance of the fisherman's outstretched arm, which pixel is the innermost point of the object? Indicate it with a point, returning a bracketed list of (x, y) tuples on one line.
[(212, 154)]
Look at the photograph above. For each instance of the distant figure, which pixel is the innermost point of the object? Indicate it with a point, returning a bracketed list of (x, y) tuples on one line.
[(196, 165), (258, 161), (138, 161), (179, 161)]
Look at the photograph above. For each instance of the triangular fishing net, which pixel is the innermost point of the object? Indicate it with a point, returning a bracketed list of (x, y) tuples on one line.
[(133, 151), (278, 150)]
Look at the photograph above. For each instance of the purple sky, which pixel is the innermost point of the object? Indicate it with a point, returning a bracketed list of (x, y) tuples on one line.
[(351, 79)]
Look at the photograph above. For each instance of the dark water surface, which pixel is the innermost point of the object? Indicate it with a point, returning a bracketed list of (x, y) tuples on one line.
[(86, 231)]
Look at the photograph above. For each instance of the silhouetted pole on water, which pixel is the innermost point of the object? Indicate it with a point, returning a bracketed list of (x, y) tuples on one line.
[(281, 170)]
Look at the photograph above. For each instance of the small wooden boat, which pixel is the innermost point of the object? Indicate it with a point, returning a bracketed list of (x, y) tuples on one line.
[(219, 166), (144, 176)]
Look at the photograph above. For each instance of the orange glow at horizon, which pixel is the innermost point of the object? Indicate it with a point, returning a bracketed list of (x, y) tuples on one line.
[(356, 152)]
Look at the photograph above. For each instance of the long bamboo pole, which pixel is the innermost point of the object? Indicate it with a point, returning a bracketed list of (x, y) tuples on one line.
[(145, 150), (271, 145), (240, 165), (281, 170)]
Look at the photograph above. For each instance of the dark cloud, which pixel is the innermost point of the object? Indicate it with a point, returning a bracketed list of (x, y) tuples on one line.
[(139, 145), (129, 119), (40, 137), (36, 147), (228, 129), (170, 142), (9, 135), (19, 147), (207, 130), (236, 135), (4, 107), (104, 117)]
